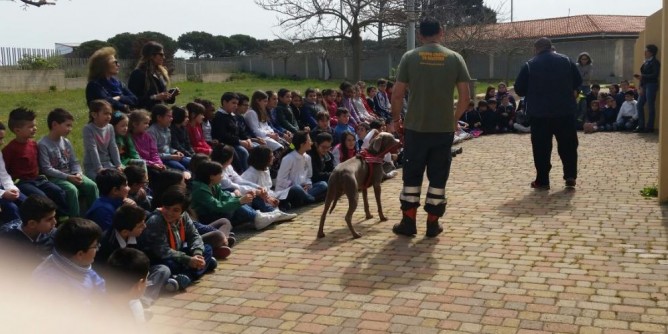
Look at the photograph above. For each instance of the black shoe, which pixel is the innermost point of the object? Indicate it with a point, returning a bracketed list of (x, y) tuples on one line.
[(639, 130), (570, 183), (434, 229), (231, 241), (406, 227), (539, 186)]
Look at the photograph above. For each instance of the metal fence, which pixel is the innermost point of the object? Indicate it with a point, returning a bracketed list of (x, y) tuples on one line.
[(10, 56)]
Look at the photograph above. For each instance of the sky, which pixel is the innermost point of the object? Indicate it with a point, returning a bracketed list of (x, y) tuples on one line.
[(75, 21)]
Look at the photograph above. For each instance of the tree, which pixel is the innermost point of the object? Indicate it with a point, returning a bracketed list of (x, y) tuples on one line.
[(86, 49), (280, 49), (37, 3), (310, 20), (245, 45), (199, 43), (455, 13), (124, 44)]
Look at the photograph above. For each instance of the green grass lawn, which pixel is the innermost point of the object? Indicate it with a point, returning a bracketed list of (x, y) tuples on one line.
[(75, 102)]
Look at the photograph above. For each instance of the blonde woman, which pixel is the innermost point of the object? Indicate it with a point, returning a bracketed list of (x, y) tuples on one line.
[(103, 84), (150, 80)]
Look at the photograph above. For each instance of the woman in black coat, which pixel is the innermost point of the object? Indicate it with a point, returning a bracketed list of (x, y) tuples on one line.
[(150, 80)]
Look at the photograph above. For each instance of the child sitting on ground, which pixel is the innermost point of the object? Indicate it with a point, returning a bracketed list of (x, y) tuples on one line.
[(126, 147), (343, 118), (172, 239), (609, 115), (128, 225), (139, 191), (99, 140), (194, 127), (322, 119), (628, 113), (296, 172), (144, 143), (211, 202), (68, 269), (161, 118), (59, 163), (21, 160), (34, 236), (113, 193), (346, 149), (235, 184), (10, 195), (127, 276), (179, 132), (593, 117)]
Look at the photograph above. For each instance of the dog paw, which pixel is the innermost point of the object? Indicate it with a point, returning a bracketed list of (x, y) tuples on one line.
[(321, 235), (383, 218), (357, 235), (369, 216)]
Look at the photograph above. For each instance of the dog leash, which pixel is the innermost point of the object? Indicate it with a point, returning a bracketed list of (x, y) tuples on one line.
[(372, 160)]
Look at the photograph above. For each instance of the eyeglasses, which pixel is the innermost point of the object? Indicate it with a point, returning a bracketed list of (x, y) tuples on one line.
[(116, 63), (244, 105), (96, 247)]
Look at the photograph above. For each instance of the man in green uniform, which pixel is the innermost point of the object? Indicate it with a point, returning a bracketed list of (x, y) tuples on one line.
[(431, 72)]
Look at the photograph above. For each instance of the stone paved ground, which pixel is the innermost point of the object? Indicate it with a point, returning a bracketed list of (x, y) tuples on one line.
[(511, 260)]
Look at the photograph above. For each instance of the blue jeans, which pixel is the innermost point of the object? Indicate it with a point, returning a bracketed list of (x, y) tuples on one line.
[(242, 215), (10, 209), (297, 196), (648, 96), (157, 275), (178, 165), (194, 274), (259, 204), (41, 186), (240, 162)]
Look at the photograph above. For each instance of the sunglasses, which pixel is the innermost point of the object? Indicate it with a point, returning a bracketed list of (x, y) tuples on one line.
[(116, 63), (161, 54)]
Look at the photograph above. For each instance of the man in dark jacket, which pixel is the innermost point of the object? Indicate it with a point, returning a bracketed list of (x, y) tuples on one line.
[(549, 82)]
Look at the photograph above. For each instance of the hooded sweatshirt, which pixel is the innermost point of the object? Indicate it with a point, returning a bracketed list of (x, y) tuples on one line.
[(586, 70)]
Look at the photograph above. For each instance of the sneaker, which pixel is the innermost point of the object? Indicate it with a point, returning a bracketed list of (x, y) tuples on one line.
[(406, 227), (171, 285), (263, 219), (570, 183), (539, 186), (222, 252), (390, 175), (231, 241), (284, 216), (434, 229), (211, 265)]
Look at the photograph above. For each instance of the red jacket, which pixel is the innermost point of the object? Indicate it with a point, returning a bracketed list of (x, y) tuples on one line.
[(21, 159), (197, 140)]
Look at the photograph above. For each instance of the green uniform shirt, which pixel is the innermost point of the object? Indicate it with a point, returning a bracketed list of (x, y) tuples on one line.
[(431, 72)]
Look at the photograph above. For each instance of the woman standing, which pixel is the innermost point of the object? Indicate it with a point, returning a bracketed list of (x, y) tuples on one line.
[(649, 86), (150, 80), (103, 84)]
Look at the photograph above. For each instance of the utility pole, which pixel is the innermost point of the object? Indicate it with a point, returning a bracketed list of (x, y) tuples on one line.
[(511, 10), (410, 32)]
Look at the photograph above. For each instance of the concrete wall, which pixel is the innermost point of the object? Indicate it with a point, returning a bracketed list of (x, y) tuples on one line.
[(651, 35), (657, 25), (22, 81)]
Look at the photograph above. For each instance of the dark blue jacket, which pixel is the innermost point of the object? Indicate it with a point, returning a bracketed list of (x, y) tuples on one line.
[(548, 81), (650, 70), (102, 211), (107, 89)]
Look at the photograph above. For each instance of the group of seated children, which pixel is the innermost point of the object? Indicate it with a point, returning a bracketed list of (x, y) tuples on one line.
[(158, 193), (598, 111), (498, 112), (613, 111)]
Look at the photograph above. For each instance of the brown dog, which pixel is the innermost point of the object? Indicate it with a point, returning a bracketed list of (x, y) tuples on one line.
[(357, 174)]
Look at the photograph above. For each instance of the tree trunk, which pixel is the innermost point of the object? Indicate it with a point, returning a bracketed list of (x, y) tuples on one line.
[(380, 32), (356, 43)]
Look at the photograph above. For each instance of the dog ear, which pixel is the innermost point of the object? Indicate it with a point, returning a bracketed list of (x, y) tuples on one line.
[(376, 144)]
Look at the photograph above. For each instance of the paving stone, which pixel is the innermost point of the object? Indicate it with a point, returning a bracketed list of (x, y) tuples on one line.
[(511, 259)]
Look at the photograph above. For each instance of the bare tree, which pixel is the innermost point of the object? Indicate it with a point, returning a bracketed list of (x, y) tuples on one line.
[(37, 3), (311, 20)]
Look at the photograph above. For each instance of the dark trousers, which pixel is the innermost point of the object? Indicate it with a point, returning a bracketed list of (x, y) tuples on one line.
[(564, 130), (10, 209), (41, 186), (194, 274), (430, 152)]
